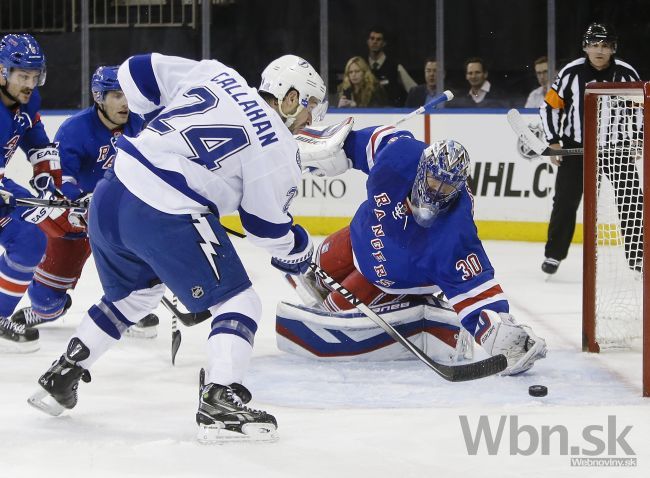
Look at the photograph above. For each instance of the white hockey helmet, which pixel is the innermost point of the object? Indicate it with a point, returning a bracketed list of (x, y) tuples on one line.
[(291, 71)]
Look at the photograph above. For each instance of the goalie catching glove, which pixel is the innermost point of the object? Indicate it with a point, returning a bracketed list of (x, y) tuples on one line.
[(57, 222), (47, 168), (321, 148), (298, 260)]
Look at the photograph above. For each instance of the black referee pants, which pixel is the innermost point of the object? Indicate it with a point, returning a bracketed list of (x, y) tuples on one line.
[(622, 174), (568, 193)]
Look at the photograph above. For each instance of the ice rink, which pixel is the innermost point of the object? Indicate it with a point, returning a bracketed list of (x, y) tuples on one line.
[(336, 420)]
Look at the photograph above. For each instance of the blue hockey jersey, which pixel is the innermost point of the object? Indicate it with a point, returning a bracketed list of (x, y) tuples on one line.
[(20, 127), (87, 149), (396, 254)]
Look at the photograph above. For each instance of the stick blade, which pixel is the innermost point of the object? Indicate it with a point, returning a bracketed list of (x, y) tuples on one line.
[(176, 344), (474, 371)]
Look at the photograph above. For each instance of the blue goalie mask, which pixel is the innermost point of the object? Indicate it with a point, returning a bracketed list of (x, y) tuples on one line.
[(22, 52), (441, 174), (104, 79)]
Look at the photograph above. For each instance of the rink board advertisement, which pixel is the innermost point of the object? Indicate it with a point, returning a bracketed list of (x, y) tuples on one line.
[(513, 194)]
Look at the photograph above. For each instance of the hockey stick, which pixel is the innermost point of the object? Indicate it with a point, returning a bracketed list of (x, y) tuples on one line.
[(452, 373), (428, 108), (176, 333), (527, 137), (188, 319), (58, 203)]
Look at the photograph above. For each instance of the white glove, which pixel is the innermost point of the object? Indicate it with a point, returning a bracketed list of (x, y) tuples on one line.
[(321, 148)]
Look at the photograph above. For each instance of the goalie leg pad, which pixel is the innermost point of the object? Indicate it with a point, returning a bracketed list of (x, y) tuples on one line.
[(315, 333)]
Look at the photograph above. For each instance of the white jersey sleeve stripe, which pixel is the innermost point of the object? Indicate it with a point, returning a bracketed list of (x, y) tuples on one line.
[(138, 102), (262, 228), (375, 141), (144, 78)]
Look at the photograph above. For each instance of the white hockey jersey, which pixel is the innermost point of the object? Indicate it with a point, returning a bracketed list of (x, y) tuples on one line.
[(215, 145)]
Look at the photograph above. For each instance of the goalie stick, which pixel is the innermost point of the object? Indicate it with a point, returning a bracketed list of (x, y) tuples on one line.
[(452, 373), (527, 137), (427, 108)]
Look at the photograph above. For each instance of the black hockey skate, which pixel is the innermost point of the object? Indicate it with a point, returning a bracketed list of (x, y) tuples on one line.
[(61, 381), (145, 328), (17, 338), (222, 416), (27, 317)]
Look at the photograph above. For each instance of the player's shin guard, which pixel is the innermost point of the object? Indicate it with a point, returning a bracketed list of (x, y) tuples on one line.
[(60, 382)]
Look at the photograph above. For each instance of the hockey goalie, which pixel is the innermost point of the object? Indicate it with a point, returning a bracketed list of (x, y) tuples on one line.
[(411, 253)]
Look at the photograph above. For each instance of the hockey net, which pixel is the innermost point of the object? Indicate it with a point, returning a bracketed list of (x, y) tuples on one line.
[(615, 288)]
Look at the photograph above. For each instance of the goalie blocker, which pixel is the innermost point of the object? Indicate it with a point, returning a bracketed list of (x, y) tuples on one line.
[(316, 333)]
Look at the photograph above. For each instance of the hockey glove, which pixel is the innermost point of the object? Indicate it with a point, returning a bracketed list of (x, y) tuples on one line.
[(321, 148), (298, 260), (55, 222), (47, 168), (7, 202)]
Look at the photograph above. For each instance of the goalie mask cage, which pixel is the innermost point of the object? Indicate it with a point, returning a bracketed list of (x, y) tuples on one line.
[(615, 309)]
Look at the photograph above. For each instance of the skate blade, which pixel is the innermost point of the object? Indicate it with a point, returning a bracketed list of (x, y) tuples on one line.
[(44, 402), (10, 347), (251, 432), (135, 332)]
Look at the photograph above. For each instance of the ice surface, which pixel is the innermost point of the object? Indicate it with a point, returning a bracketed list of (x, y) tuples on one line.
[(344, 419)]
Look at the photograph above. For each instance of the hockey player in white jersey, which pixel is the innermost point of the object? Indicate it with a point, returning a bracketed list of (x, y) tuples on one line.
[(215, 147)]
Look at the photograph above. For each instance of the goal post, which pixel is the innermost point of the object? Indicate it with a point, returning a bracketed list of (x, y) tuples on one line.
[(615, 307)]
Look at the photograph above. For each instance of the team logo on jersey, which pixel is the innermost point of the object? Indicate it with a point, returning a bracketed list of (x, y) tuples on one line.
[(197, 292), (10, 147)]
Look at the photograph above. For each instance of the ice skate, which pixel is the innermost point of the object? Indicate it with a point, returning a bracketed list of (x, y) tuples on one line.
[(59, 384), (16, 338), (222, 416), (27, 317), (145, 328)]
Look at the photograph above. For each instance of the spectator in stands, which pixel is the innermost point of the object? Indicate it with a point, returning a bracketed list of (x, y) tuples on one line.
[(481, 94), (562, 119), (360, 88), (392, 76), (536, 97), (421, 94)]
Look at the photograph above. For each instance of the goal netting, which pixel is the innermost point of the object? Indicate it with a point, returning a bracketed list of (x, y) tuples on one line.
[(614, 292)]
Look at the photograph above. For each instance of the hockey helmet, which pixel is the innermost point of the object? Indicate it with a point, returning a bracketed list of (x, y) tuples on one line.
[(104, 79), (597, 33), (291, 71), (22, 51), (442, 171)]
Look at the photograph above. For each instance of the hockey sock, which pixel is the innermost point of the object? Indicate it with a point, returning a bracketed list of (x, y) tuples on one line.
[(14, 280), (230, 343), (93, 337)]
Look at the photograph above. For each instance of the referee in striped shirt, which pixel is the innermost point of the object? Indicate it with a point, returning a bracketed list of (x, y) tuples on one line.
[(562, 119)]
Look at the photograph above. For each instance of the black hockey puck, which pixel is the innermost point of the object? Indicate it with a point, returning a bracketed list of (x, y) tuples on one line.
[(537, 391)]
